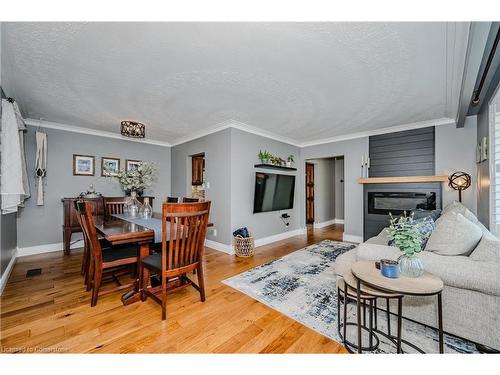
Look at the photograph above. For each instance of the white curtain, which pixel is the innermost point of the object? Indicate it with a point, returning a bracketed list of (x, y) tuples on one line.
[(14, 186)]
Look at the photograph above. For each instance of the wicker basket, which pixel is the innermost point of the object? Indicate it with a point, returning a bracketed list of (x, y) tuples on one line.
[(244, 246)]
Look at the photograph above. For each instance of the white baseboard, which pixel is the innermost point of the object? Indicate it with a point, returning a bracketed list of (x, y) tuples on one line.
[(47, 248), (352, 238), (228, 249), (328, 223), (8, 271), (323, 224), (278, 237)]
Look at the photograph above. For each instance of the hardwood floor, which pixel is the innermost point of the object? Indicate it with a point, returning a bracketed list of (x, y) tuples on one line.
[(51, 312)]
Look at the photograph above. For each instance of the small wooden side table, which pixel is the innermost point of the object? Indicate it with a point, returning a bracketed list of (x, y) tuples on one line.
[(366, 274)]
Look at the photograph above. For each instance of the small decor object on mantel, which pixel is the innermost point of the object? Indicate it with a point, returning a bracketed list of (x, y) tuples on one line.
[(83, 165), (289, 161), (264, 156), (407, 237), (137, 179), (459, 181)]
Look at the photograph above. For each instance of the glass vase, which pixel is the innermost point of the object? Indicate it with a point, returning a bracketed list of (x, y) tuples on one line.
[(410, 265), (133, 205), (146, 211)]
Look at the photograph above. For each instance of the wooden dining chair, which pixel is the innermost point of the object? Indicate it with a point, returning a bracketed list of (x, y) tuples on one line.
[(103, 259), (172, 200), (189, 200), (183, 245), (114, 208)]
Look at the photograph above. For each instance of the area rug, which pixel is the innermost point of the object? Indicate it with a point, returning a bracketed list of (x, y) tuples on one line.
[(302, 286)]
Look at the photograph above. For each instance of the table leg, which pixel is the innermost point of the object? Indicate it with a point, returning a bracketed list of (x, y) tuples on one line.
[(358, 313), (136, 294), (338, 310), (67, 240), (370, 312), (345, 313), (440, 323), (400, 318), (388, 311)]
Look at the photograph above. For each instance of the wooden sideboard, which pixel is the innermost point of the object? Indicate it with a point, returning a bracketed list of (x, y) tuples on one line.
[(70, 221)]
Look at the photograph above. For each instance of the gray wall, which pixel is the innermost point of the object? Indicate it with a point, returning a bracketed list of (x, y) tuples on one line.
[(39, 225), (352, 150), (483, 171), (339, 188), (324, 189), (405, 153), (217, 151), (244, 149), (456, 151)]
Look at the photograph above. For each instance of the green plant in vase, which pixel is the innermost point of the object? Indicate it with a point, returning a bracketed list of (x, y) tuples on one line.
[(265, 156), (405, 233), (289, 161)]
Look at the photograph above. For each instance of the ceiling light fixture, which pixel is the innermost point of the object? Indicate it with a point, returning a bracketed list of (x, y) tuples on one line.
[(133, 129)]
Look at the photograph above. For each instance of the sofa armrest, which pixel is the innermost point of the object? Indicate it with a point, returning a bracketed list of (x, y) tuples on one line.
[(464, 272), (371, 251)]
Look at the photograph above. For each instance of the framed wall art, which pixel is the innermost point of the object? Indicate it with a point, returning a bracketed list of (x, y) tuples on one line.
[(132, 164), (83, 165), (109, 166)]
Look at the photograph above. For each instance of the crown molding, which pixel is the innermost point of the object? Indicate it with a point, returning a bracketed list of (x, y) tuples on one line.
[(203, 133), (243, 127), (99, 133), (391, 129)]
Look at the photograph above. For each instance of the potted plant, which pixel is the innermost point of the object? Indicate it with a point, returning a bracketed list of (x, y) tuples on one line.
[(276, 160), (289, 161), (406, 235), (265, 156)]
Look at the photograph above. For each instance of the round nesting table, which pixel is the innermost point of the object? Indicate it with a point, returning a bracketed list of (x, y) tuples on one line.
[(368, 279), (346, 288)]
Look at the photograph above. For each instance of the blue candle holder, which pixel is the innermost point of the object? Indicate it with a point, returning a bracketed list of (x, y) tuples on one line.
[(389, 268)]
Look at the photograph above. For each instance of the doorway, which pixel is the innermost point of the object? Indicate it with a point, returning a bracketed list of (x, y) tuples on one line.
[(324, 193), (309, 193), (198, 183)]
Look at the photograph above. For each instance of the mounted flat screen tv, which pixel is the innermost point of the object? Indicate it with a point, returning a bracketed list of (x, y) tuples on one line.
[(273, 192)]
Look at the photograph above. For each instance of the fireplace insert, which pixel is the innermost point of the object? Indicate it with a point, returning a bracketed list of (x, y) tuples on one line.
[(383, 203)]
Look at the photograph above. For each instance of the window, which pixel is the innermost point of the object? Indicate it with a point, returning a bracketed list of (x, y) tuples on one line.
[(494, 157)]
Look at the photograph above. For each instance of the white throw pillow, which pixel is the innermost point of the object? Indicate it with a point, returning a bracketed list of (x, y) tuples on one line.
[(457, 207), (454, 235), (488, 250)]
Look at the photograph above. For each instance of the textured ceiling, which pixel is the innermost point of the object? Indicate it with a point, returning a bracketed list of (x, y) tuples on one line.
[(305, 81)]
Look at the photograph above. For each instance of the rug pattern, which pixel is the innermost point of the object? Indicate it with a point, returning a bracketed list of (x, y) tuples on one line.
[(302, 286)]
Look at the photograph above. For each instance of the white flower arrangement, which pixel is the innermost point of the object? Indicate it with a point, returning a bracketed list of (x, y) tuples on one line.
[(137, 179)]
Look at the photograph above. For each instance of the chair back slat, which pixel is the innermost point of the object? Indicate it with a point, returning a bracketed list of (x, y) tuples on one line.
[(114, 208), (84, 211), (187, 234), (189, 200), (172, 199)]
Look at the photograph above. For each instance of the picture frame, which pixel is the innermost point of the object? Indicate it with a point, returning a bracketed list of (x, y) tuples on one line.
[(109, 166), (83, 165), (131, 164)]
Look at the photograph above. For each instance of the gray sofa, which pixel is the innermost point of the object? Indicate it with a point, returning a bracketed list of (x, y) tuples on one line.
[(471, 294)]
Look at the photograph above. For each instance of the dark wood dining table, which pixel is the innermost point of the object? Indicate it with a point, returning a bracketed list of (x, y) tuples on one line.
[(118, 231)]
